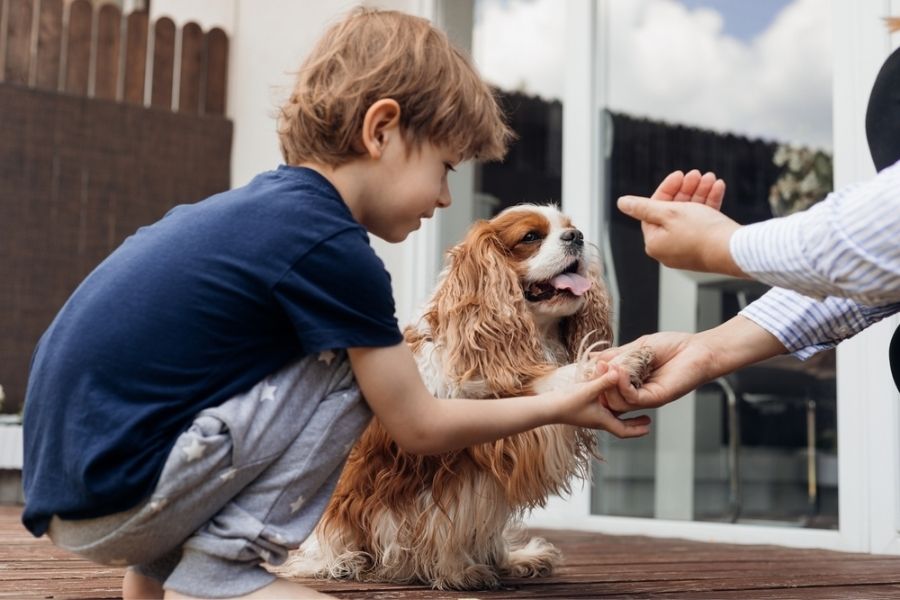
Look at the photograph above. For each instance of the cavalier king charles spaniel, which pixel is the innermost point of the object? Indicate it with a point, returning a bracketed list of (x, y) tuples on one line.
[(517, 307)]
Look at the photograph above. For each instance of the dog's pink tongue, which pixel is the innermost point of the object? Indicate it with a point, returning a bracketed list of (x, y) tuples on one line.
[(573, 282)]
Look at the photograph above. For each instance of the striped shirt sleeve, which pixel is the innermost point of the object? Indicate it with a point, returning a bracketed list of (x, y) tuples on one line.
[(835, 268)]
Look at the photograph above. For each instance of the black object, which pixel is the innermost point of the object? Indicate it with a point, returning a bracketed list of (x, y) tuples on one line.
[(883, 114)]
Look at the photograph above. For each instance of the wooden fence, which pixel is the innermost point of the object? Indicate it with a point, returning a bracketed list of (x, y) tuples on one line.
[(75, 48), (106, 122)]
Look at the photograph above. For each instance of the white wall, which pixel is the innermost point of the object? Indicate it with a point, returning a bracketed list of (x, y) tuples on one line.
[(268, 41)]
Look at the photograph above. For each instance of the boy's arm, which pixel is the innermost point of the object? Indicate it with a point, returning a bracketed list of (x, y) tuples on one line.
[(423, 424)]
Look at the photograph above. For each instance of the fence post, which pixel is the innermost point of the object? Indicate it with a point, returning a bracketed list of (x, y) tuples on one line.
[(163, 63), (106, 57), (135, 58), (192, 63), (49, 45), (78, 47), (216, 72), (19, 24)]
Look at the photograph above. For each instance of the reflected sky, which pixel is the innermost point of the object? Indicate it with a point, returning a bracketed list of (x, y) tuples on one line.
[(759, 68), (743, 19)]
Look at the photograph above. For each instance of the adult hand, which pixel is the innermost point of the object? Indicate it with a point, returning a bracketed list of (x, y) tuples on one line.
[(684, 235), (684, 361), (680, 363)]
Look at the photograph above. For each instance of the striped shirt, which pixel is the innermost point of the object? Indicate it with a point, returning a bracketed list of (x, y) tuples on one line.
[(835, 268)]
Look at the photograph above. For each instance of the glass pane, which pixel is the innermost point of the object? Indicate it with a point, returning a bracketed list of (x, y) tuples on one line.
[(742, 89), (529, 79)]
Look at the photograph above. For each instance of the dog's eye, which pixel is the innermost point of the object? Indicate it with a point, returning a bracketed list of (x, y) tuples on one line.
[(530, 237)]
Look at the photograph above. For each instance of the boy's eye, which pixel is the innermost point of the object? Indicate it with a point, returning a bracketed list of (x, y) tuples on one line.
[(531, 236)]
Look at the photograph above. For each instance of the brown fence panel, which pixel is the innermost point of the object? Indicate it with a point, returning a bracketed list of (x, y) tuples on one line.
[(49, 45), (78, 47), (135, 57), (77, 176), (109, 27), (216, 71), (163, 63), (18, 41), (192, 63)]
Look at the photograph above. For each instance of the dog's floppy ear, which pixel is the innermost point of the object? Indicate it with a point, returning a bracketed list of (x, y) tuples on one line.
[(479, 318), (593, 322)]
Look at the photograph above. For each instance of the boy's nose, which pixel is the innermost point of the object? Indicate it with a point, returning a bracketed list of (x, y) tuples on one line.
[(444, 200)]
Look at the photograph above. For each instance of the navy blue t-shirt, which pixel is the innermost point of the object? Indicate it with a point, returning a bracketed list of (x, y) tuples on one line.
[(186, 313)]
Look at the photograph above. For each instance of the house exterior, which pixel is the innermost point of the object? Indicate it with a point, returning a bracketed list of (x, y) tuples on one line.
[(268, 40)]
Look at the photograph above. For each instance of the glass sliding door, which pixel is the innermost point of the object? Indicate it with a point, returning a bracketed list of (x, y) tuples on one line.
[(743, 89)]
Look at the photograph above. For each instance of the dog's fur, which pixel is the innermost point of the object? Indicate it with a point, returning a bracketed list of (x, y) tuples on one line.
[(508, 317)]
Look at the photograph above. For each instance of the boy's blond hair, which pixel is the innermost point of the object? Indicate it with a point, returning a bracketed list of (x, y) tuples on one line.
[(374, 54)]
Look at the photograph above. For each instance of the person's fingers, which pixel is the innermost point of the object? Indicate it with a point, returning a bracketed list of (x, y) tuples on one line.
[(601, 368), (644, 209), (704, 187), (669, 186), (595, 386), (628, 428), (688, 186), (716, 194)]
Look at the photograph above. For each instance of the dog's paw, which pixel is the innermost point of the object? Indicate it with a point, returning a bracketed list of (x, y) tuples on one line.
[(471, 577), (637, 363), (537, 558)]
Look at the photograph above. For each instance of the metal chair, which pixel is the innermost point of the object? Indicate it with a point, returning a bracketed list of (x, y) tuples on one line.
[(760, 384)]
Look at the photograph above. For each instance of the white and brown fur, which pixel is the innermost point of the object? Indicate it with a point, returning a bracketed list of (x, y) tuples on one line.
[(450, 521)]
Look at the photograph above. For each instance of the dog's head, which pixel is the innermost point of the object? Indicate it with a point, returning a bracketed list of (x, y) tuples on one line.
[(515, 287)]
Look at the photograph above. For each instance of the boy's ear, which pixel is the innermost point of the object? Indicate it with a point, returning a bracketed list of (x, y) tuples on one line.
[(382, 120)]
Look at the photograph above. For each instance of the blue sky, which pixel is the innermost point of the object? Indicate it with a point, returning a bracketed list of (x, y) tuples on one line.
[(743, 19)]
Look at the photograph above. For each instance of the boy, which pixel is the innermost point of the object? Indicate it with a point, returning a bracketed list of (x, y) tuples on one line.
[(190, 408)]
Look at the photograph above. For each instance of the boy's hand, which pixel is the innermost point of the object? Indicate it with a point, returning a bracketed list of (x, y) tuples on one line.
[(585, 405)]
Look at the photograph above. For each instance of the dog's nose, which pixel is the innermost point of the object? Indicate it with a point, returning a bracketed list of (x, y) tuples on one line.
[(573, 236)]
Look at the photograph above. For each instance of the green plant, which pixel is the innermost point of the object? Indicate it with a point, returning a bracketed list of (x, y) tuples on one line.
[(807, 176)]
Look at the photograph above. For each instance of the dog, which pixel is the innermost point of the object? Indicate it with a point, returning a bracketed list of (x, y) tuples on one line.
[(517, 306)]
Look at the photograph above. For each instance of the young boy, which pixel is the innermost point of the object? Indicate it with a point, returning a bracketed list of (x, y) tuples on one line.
[(190, 408)]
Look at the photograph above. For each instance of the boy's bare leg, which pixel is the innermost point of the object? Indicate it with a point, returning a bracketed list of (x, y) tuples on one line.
[(139, 587), (280, 588)]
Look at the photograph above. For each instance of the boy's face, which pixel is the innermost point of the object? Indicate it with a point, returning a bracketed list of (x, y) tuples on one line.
[(408, 186)]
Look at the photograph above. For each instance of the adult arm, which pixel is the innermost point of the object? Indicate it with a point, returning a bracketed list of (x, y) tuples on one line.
[(423, 424), (684, 361)]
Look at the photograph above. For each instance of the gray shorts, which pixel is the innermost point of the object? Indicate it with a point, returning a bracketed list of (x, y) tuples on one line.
[(246, 483)]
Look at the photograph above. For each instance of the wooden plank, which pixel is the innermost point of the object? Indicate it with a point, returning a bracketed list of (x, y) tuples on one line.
[(78, 47), (163, 63), (216, 72), (193, 53), (604, 567), (49, 45), (135, 57), (19, 24), (106, 71)]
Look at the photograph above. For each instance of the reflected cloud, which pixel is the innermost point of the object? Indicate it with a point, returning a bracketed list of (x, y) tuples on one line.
[(671, 62)]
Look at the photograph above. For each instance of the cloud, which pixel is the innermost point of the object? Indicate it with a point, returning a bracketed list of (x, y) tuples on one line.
[(670, 63)]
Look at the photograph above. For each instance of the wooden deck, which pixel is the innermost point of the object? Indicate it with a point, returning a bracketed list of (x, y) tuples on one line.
[(597, 566)]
